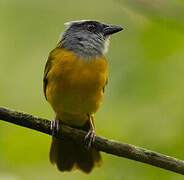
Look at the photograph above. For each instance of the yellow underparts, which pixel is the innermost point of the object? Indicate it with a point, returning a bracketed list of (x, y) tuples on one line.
[(75, 87)]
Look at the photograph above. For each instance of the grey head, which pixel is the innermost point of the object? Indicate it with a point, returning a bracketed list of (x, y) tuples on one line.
[(87, 39)]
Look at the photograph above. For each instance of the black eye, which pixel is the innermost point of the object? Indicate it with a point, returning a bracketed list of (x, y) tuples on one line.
[(91, 27)]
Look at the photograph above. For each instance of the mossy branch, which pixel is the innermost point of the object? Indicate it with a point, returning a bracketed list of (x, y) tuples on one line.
[(101, 143)]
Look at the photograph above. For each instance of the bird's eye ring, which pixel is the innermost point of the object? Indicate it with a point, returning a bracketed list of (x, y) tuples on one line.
[(91, 27)]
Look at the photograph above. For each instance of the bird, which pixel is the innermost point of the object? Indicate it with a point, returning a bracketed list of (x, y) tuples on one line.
[(75, 76)]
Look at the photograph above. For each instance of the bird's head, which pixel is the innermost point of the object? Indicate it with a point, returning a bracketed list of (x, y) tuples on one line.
[(87, 39)]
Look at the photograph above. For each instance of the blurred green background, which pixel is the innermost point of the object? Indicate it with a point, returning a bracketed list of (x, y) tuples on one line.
[(144, 99)]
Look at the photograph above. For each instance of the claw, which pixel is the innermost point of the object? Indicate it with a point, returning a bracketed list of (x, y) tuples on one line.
[(54, 127), (90, 136)]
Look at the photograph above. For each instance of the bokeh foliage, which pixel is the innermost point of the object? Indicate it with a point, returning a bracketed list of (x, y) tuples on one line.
[(143, 102)]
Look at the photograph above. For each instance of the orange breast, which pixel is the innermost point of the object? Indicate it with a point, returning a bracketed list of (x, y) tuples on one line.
[(75, 87)]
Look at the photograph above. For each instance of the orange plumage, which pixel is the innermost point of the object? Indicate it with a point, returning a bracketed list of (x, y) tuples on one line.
[(74, 86)]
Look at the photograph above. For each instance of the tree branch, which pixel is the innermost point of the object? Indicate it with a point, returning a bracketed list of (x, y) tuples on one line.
[(101, 144)]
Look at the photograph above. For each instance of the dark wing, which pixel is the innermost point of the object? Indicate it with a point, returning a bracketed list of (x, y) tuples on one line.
[(47, 68), (105, 85)]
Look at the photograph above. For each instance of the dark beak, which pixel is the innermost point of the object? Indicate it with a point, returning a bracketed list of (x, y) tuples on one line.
[(110, 29)]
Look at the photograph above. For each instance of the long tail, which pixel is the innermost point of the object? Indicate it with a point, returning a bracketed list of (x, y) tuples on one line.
[(67, 155)]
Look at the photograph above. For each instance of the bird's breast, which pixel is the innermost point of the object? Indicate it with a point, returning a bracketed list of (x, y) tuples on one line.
[(75, 86)]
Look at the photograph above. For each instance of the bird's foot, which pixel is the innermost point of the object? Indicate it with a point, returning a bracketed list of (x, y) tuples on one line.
[(90, 138), (54, 127)]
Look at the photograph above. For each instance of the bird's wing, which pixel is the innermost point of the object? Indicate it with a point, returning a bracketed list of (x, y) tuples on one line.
[(47, 68), (105, 85)]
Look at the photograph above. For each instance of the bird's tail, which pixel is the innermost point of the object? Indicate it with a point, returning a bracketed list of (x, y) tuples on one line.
[(67, 155)]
